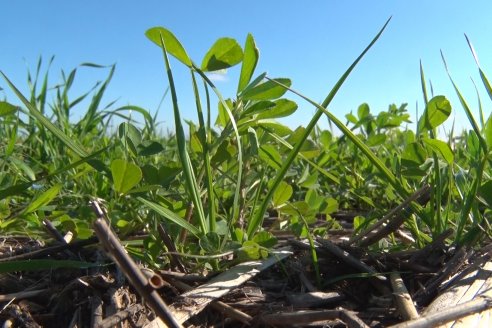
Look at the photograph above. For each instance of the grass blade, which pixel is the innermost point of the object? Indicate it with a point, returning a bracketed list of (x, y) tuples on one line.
[(259, 215), (69, 142), (468, 112), (190, 179), (170, 215)]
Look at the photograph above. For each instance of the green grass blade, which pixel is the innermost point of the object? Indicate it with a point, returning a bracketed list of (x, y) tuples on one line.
[(170, 215), (190, 178), (202, 132), (466, 108), (237, 192), (259, 215), (485, 81), (69, 142), (35, 265), (324, 172), (436, 195)]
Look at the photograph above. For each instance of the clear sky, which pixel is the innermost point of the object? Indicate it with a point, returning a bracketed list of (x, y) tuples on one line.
[(311, 42)]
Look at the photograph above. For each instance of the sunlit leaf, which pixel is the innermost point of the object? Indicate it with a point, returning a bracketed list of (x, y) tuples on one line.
[(43, 199), (268, 90), (225, 52), (173, 46), (126, 175), (441, 148), (437, 112), (282, 108), (282, 194), (250, 59), (265, 239), (7, 109), (170, 215)]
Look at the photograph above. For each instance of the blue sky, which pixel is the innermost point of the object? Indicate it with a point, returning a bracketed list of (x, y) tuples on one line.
[(311, 42)]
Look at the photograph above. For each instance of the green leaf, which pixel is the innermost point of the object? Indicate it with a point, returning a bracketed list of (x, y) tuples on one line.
[(414, 153), (258, 217), (274, 126), (250, 60), (313, 199), (265, 239), (172, 44), (43, 199), (249, 251), (437, 112), (282, 108), (485, 191), (363, 111), (149, 147), (271, 156), (7, 109), (441, 148), (225, 53), (126, 175), (488, 132), (268, 90), (282, 194), (22, 166), (170, 215), (331, 206), (376, 140)]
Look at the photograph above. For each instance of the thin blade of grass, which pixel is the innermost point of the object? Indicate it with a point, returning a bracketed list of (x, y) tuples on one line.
[(190, 178), (202, 132), (485, 81), (237, 192), (468, 112), (69, 142), (170, 215), (259, 215)]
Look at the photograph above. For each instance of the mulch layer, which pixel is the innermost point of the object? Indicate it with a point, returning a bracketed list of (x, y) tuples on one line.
[(354, 287)]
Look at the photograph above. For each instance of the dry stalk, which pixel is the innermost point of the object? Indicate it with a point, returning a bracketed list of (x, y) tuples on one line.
[(403, 299), (479, 304), (129, 268), (394, 219)]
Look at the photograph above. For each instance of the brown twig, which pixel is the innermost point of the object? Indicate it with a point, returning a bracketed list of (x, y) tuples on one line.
[(174, 259), (437, 243), (118, 317), (451, 267), (403, 299), (96, 310), (349, 259), (21, 295), (394, 219), (479, 304), (306, 317), (52, 230), (129, 268)]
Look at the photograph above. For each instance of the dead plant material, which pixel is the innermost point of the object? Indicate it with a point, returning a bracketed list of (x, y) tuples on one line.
[(120, 316), (479, 304), (426, 294), (130, 269), (349, 259), (403, 299), (308, 317), (391, 221)]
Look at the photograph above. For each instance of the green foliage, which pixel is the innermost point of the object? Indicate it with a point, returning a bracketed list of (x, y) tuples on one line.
[(211, 186)]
